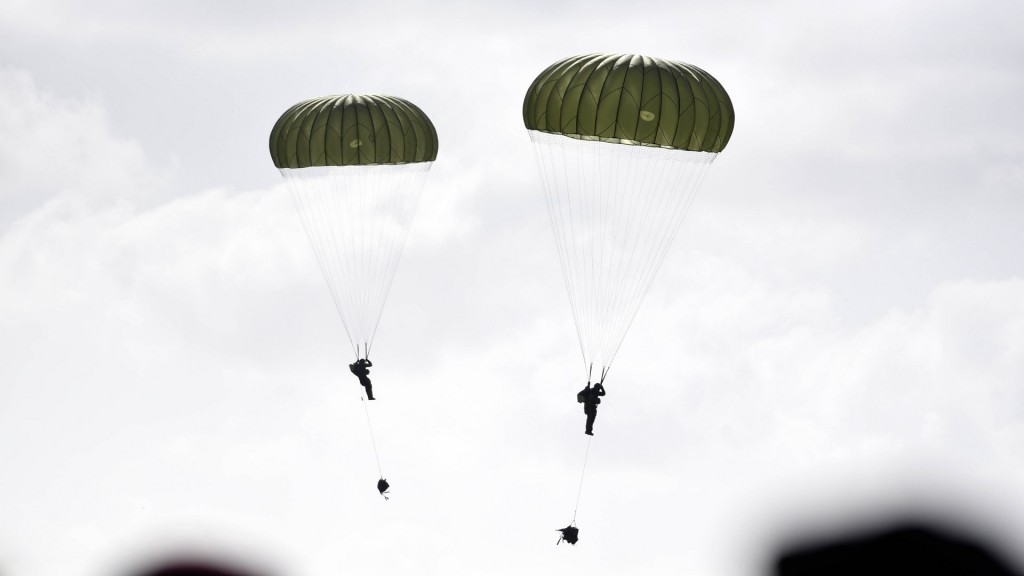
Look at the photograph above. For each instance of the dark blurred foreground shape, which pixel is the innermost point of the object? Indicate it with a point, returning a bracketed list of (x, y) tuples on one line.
[(906, 549), (194, 568)]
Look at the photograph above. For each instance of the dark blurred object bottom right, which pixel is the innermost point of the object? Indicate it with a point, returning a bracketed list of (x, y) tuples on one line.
[(909, 547)]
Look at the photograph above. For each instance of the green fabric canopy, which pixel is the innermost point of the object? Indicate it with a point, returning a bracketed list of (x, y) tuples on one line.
[(350, 130), (631, 99)]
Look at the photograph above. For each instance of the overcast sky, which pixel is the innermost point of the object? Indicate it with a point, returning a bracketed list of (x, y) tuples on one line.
[(838, 329)]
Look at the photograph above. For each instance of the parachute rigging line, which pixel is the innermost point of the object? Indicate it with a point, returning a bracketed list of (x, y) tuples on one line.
[(614, 211), (372, 439), (580, 491), (357, 219)]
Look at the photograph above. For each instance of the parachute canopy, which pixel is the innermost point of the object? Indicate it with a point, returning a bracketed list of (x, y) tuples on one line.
[(356, 166), (623, 143), (352, 130), (631, 99)]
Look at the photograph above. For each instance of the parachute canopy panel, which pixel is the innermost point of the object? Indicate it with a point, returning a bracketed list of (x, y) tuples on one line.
[(352, 130), (631, 99)]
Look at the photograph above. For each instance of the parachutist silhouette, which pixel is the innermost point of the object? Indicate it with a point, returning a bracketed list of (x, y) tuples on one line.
[(590, 397), (570, 534), (361, 368), (382, 487)]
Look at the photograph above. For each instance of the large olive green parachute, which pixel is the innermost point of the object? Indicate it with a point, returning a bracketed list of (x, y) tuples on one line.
[(623, 143), (631, 99), (351, 130)]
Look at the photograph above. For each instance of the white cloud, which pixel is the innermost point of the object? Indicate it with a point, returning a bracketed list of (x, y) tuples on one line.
[(62, 148)]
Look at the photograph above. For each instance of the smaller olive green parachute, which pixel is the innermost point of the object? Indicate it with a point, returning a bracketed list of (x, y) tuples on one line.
[(631, 99), (356, 166), (352, 130)]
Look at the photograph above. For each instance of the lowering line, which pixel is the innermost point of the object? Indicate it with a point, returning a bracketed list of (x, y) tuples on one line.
[(369, 424), (586, 457), (382, 484), (580, 491), (372, 439)]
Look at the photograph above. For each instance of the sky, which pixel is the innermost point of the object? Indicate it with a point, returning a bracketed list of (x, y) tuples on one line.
[(836, 334)]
